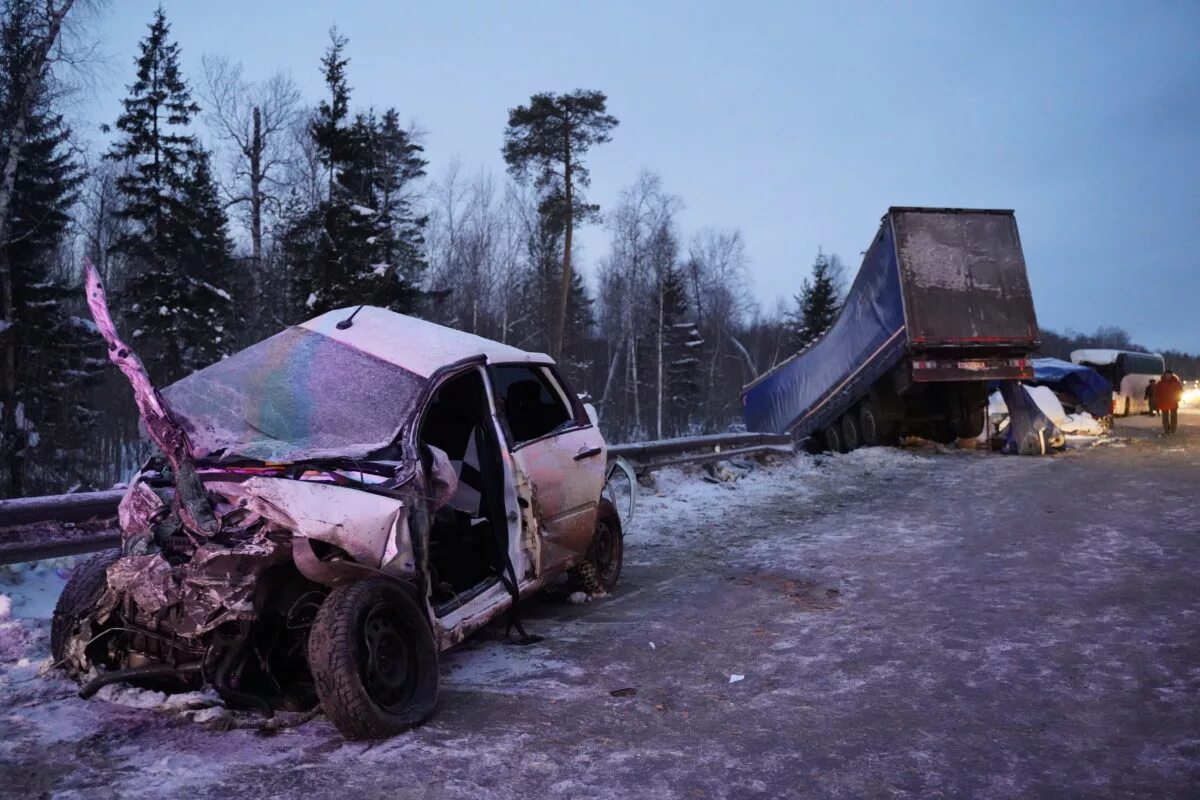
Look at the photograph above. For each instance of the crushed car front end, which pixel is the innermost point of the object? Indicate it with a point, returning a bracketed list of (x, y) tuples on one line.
[(233, 610)]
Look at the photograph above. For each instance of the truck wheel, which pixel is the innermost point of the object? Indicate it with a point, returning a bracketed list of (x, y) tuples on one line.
[(833, 438), (868, 423), (78, 597), (872, 428), (970, 422), (598, 573), (850, 435), (373, 659)]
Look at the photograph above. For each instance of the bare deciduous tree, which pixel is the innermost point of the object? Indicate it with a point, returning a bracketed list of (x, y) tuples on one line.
[(255, 121)]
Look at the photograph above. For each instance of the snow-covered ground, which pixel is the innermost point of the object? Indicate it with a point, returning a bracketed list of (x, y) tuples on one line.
[(912, 622)]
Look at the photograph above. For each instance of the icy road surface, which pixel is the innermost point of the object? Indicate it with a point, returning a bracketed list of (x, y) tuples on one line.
[(904, 623)]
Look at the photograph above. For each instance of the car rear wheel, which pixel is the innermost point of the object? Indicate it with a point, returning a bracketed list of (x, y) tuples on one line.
[(373, 659), (601, 568)]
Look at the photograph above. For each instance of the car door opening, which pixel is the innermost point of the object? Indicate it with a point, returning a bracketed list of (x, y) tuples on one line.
[(465, 531)]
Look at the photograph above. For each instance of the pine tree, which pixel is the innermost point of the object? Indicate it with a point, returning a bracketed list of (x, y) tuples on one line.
[(547, 140), (818, 303), (364, 242), (681, 363), (50, 355), (177, 298)]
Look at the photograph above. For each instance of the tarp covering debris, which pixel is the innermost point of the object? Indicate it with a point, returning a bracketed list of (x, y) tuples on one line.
[(1030, 431), (1086, 385)]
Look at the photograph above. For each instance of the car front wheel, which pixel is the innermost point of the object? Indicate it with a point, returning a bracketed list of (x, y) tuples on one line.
[(373, 659)]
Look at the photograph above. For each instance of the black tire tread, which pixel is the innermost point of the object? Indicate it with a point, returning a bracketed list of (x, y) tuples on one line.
[(77, 598), (332, 645), (833, 438), (849, 423)]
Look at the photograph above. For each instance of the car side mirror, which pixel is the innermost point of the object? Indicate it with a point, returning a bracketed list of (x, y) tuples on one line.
[(591, 414)]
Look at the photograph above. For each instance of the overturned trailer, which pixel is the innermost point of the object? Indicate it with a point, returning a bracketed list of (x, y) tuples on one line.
[(940, 306), (334, 506)]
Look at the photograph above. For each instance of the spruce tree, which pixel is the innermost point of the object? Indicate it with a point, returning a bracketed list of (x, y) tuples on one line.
[(50, 355), (177, 299), (681, 346), (363, 243), (817, 305)]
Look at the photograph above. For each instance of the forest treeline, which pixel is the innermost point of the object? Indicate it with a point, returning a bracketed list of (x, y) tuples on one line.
[(223, 207)]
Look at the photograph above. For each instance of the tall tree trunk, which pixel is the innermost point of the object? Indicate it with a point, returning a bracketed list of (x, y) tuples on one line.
[(744, 353), (256, 197), (7, 304), (659, 417), (612, 372), (564, 292), (633, 382)]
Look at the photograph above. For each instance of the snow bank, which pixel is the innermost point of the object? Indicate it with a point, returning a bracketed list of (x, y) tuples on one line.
[(1083, 424), (30, 591)]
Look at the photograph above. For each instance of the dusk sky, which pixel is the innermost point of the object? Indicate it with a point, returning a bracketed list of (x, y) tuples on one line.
[(801, 123)]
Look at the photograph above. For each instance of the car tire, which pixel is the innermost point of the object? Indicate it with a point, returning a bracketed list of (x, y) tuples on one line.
[(833, 438), (851, 439), (78, 597), (601, 568), (373, 659)]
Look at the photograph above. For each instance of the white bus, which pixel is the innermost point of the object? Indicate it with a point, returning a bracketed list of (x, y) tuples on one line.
[(1128, 372)]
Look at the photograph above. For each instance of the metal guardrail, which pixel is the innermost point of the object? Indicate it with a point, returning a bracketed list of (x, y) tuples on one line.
[(78, 507), (697, 449), (58, 548), (60, 511), (51, 522)]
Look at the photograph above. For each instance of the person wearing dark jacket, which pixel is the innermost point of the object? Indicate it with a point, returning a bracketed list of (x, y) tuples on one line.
[(1166, 397), (1150, 396)]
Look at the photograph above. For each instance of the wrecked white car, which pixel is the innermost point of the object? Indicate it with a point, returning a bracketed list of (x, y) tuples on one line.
[(333, 507)]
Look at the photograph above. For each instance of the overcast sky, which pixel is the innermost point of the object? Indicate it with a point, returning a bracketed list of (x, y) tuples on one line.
[(800, 123)]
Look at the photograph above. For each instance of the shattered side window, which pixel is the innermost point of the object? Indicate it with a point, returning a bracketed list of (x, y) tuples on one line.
[(295, 396)]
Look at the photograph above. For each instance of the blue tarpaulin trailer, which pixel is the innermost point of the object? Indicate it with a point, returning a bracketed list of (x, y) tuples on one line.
[(940, 306)]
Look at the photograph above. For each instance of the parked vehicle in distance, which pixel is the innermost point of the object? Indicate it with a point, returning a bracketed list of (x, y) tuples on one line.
[(1129, 373), (376, 487), (940, 307)]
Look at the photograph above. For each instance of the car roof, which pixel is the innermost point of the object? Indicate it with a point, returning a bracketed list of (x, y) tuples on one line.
[(417, 345)]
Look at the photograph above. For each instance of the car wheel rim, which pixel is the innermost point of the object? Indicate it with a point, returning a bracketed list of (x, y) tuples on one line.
[(388, 668), (606, 552)]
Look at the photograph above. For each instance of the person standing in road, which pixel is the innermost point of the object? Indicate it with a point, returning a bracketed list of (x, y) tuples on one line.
[(1166, 397), (1150, 396)]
